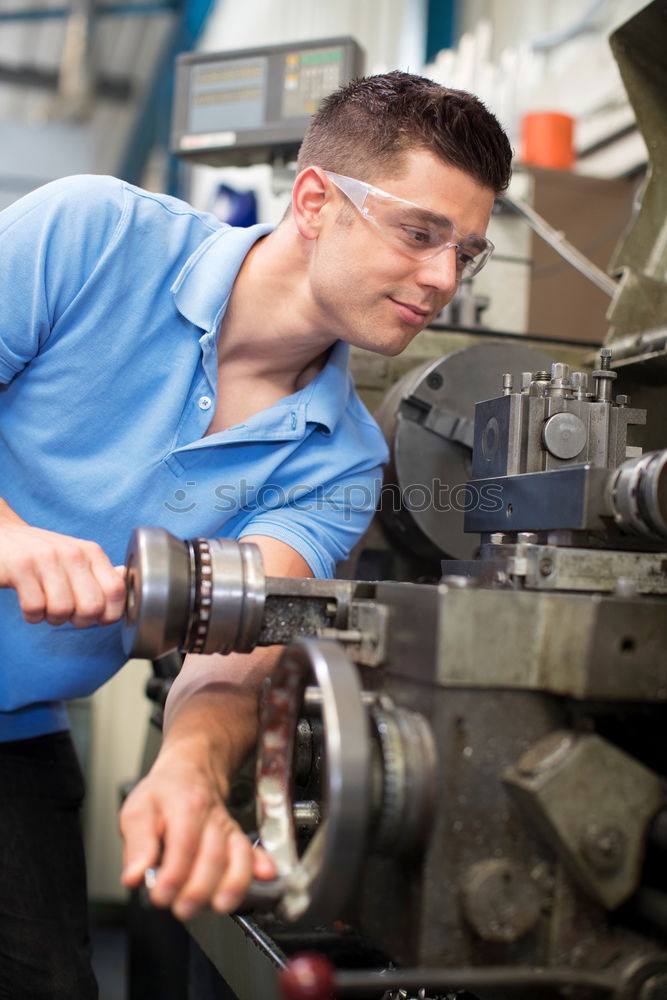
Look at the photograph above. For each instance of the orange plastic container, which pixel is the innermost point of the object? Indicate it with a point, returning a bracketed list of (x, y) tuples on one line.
[(547, 139)]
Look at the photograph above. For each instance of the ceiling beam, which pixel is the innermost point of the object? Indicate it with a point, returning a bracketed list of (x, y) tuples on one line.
[(146, 8), (109, 88)]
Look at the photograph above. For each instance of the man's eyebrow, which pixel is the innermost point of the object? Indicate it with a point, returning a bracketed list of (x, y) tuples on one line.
[(445, 222), (428, 216)]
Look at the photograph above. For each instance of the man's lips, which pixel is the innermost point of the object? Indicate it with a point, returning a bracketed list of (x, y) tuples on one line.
[(414, 313)]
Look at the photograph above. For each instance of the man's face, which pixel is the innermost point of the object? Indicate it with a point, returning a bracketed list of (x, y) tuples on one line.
[(369, 292)]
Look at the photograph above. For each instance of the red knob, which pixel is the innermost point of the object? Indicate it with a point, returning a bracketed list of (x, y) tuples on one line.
[(307, 977)]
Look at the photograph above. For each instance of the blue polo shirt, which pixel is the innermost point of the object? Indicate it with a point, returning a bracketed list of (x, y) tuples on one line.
[(112, 299)]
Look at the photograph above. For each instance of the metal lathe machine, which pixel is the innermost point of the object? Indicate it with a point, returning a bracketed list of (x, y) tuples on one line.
[(462, 784)]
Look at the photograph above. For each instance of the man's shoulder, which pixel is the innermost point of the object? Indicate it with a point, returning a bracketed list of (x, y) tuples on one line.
[(104, 196), (77, 189), (67, 211)]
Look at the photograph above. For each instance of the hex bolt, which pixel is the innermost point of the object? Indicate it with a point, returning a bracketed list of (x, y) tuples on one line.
[(508, 383), (603, 847), (605, 359), (560, 370), (622, 399)]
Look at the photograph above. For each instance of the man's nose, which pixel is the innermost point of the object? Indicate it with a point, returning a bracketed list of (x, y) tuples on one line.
[(440, 272)]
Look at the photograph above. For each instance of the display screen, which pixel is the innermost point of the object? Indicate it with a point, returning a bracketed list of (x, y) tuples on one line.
[(253, 105), (230, 95)]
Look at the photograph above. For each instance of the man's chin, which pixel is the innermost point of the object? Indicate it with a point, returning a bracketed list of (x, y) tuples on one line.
[(392, 346)]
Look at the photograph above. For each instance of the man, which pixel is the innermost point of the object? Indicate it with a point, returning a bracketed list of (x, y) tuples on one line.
[(153, 362)]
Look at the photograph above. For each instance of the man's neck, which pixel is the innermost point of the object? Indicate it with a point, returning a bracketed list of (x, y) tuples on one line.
[(271, 327), (271, 341)]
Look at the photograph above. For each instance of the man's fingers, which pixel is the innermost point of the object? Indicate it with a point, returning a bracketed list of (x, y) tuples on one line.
[(263, 865), (183, 830), (89, 598), (235, 880), (60, 601), (208, 863), (32, 600), (112, 581), (142, 830), (224, 857), (60, 579)]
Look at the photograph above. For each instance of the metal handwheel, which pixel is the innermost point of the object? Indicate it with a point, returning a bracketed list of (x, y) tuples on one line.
[(318, 883)]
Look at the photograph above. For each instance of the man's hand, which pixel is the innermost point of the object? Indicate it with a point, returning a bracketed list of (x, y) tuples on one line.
[(175, 820), (58, 578)]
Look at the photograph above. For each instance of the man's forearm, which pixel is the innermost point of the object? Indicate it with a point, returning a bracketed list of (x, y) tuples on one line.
[(215, 700)]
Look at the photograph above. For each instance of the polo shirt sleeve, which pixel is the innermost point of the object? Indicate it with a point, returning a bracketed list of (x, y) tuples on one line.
[(324, 522), (51, 241)]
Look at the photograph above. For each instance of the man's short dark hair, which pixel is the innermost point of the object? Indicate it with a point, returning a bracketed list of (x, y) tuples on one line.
[(367, 126)]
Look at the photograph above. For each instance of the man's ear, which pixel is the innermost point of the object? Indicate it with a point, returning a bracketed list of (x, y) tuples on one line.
[(310, 194)]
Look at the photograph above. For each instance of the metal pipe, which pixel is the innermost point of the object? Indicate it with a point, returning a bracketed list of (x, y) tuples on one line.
[(489, 981), (561, 245)]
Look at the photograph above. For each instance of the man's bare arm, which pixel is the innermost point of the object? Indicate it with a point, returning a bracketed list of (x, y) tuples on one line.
[(176, 816)]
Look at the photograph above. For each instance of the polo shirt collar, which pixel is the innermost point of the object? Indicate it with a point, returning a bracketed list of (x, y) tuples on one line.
[(201, 292), (326, 397), (202, 289), (322, 402)]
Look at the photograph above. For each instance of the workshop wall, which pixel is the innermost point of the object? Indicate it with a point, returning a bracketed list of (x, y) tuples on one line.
[(552, 55), (547, 21), (391, 32)]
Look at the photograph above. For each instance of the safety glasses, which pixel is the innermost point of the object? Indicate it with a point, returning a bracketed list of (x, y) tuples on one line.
[(416, 231)]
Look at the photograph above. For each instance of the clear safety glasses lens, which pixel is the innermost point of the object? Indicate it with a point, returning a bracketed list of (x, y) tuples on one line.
[(412, 229)]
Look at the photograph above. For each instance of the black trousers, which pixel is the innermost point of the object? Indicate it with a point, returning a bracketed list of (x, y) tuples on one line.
[(44, 939)]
